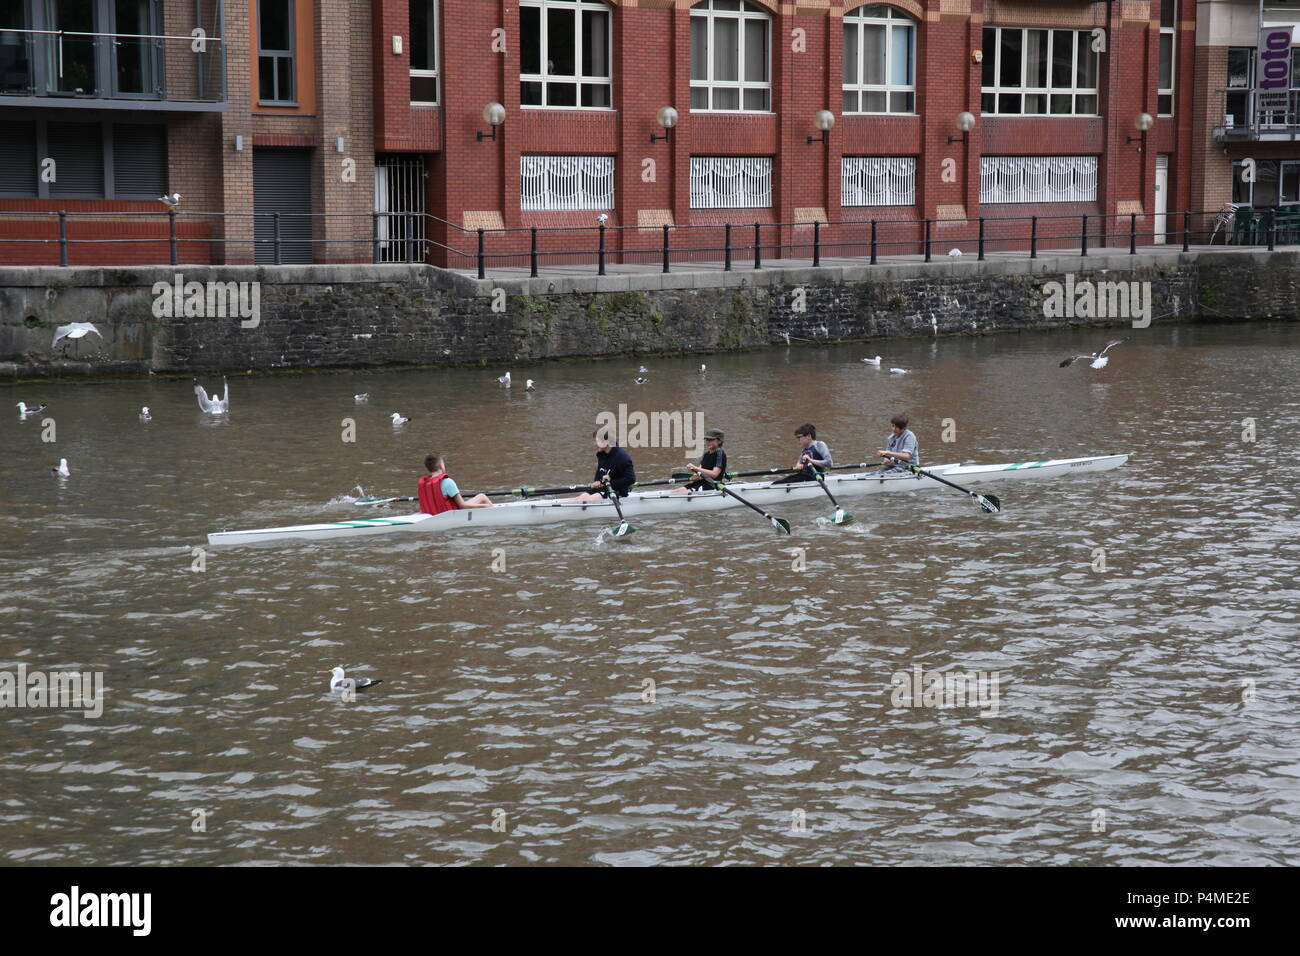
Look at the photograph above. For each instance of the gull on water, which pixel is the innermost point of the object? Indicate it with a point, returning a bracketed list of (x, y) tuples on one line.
[(704, 368), (1098, 358), (213, 405), (899, 371), (61, 469), (24, 410), (504, 380), (529, 386), (144, 414), (640, 381), (398, 419), (643, 370), (361, 398), (74, 330), (338, 679), (873, 361)]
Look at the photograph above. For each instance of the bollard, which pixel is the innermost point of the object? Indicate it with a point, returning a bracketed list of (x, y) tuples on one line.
[(927, 240), (482, 272), (1033, 237), (1085, 234), (374, 237), (600, 252), (63, 238), (726, 244), (758, 246), (1132, 234), (873, 242), (981, 239), (171, 235), (665, 247), (276, 221), (1187, 230), (532, 252), (817, 244)]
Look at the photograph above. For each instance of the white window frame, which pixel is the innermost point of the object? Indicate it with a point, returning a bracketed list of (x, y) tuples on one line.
[(565, 182), (896, 175), (577, 79), (1038, 179), (1172, 33), (436, 72), (891, 21), (748, 12), (1082, 45), (705, 170)]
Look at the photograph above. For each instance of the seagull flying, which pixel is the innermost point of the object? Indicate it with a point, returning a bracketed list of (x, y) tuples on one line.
[(873, 361), (529, 386), (173, 200), (144, 414), (24, 411), (398, 419), (640, 381), (1099, 359), (337, 679), (899, 371), (214, 405), (504, 380), (75, 330), (62, 469), (361, 398)]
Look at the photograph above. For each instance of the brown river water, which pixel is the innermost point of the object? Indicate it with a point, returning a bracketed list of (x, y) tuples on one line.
[(1147, 709)]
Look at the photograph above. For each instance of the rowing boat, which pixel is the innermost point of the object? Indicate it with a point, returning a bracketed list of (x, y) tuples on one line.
[(667, 504)]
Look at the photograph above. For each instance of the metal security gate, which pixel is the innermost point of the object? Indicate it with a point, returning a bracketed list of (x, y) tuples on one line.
[(282, 202), (399, 208)]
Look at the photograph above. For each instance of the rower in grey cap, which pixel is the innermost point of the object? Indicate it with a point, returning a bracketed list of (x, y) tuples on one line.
[(713, 464)]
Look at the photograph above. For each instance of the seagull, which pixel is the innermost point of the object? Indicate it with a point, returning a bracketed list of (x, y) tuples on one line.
[(75, 330), (24, 411), (361, 398), (1099, 359), (62, 469), (213, 405), (954, 253), (398, 419), (875, 361), (643, 370), (504, 380), (640, 381), (529, 386), (704, 368), (358, 683), (899, 371), (173, 200), (144, 414), (602, 218)]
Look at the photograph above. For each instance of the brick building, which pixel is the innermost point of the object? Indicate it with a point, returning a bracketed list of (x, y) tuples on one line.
[(346, 117)]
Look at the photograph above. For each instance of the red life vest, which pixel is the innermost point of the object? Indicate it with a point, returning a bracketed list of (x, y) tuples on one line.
[(432, 500)]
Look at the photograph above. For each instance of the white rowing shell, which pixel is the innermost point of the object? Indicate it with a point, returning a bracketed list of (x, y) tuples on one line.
[(664, 503)]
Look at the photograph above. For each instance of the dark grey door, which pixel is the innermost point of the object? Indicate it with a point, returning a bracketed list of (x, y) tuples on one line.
[(282, 184)]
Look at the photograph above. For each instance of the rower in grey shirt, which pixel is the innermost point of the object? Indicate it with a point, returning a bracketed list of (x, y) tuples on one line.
[(901, 447)]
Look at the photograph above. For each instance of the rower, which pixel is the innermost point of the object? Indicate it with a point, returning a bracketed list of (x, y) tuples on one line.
[(814, 456), (614, 468), (713, 464), (438, 491), (900, 447)]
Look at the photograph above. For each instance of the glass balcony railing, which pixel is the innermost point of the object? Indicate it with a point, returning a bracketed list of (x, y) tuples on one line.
[(63, 64)]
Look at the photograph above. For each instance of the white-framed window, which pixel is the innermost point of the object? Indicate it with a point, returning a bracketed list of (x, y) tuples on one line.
[(425, 80), (731, 56), (1038, 72), (1168, 57), (1038, 179), (731, 182), (560, 183), (878, 181), (564, 54), (879, 60)]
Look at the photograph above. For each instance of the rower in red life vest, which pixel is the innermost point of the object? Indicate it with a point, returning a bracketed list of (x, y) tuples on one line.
[(438, 491)]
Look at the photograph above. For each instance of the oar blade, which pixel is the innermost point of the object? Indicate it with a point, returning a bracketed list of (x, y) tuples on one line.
[(991, 504), (841, 516), (779, 525), (623, 530)]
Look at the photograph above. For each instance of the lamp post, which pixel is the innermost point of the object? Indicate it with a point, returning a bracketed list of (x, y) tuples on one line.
[(494, 114), (965, 122), (666, 118), (824, 120), (1143, 123)]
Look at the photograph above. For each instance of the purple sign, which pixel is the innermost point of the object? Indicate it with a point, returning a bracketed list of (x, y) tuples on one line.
[(1273, 71)]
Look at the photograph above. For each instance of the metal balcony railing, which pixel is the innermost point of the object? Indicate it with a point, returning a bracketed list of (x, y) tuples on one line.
[(52, 67), (1244, 121)]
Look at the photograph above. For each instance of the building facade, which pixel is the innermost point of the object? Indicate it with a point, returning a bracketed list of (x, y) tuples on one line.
[(352, 130)]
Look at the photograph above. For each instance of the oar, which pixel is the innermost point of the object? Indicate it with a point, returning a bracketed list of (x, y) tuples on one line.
[(840, 516), (623, 528), (371, 502), (780, 525), (991, 504)]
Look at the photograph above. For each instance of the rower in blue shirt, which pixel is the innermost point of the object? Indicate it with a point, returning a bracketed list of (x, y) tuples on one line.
[(814, 457), (613, 465), (900, 447)]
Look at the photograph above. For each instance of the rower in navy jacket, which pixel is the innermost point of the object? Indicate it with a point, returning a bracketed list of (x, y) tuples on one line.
[(612, 463)]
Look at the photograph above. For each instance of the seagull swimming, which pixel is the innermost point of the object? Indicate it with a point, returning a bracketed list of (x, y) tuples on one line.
[(1099, 359), (24, 411), (899, 371), (361, 398), (398, 419), (640, 381), (74, 330), (214, 405), (704, 368), (643, 370), (874, 361), (173, 200), (529, 386), (504, 380), (62, 469), (337, 679), (144, 414)]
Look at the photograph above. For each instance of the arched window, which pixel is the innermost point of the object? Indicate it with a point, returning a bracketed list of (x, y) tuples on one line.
[(879, 60), (564, 53), (731, 54)]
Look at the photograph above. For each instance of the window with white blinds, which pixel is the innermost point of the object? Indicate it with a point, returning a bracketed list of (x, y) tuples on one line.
[(1038, 179), (731, 182), (561, 183), (878, 181)]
